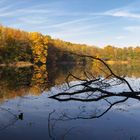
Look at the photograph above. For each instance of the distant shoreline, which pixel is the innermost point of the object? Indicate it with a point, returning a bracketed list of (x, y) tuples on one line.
[(17, 64), (111, 62), (29, 64)]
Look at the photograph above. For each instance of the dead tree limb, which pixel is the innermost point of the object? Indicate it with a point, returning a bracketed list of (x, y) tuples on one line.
[(96, 88)]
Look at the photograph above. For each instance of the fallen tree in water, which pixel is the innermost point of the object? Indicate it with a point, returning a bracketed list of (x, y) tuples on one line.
[(95, 88)]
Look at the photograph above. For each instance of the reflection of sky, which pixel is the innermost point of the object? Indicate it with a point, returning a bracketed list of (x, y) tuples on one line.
[(121, 122), (117, 123)]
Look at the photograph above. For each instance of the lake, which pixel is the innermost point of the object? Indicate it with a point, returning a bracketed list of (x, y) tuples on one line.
[(26, 112)]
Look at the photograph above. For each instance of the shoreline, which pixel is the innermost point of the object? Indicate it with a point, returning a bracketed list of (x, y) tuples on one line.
[(17, 64), (117, 62)]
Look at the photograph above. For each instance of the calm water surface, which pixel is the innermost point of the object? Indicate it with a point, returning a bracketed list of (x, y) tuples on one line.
[(26, 112)]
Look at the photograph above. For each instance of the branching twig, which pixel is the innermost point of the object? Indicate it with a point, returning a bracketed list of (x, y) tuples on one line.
[(95, 88)]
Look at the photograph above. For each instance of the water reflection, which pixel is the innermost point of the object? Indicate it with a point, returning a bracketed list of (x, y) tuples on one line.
[(25, 91), (34, 80)]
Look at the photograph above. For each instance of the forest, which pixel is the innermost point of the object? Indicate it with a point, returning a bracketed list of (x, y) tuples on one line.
[(17, 45)]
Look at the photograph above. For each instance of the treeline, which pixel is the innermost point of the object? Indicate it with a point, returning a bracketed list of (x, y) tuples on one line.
[(17, 45), (122, 54), (107, 53)]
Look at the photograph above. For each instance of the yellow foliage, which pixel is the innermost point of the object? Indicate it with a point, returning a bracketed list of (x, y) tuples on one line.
[(39, 47)]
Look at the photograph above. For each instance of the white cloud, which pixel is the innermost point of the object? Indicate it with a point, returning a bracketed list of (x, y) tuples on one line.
[(125, 14), (132, 28), (120, 37), (130, 11), (33, 20), (71, 22)]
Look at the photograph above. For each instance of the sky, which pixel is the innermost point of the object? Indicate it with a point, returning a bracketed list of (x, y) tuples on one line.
[(92, 22)]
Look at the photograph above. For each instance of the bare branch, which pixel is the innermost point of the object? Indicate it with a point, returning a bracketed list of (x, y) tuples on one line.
[(95, 89)]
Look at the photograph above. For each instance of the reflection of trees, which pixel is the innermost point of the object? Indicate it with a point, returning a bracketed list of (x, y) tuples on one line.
[(93, 86), (16, 77), (22, 81), (39, 79), (34, 80), (131, 70), (30, 80), (14, 82), (96, 88)]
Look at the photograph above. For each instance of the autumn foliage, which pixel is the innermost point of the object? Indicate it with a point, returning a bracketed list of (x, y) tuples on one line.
[(17, 45)]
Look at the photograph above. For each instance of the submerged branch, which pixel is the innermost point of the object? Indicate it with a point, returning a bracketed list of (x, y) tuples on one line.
[(96, 89)]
